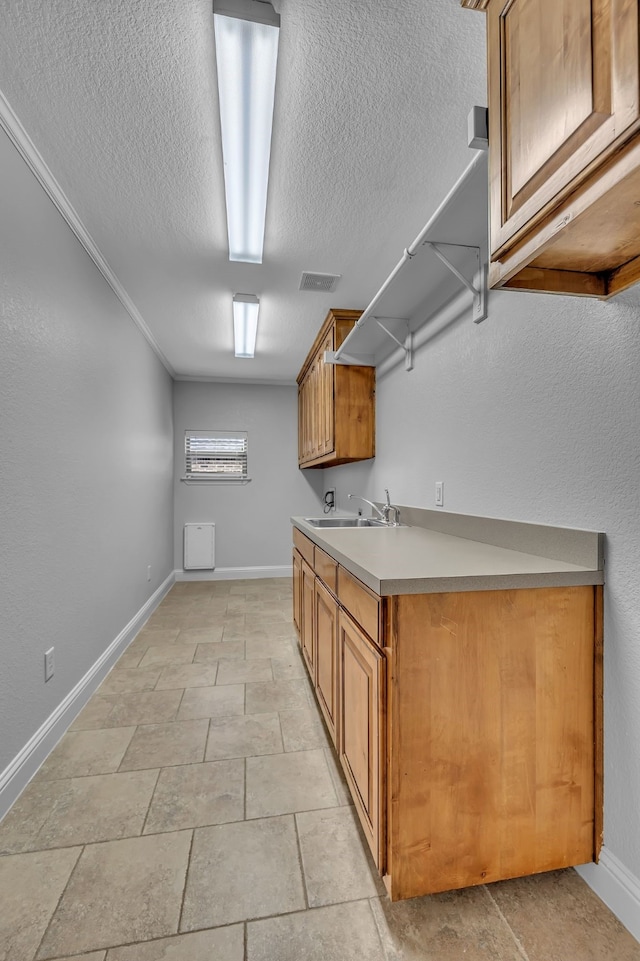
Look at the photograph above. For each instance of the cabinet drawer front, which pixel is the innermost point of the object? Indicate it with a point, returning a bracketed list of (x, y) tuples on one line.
[(326, 569), (304, 545), (361, 603)]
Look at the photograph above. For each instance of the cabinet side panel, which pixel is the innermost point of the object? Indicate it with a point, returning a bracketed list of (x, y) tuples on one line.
[(354, 412), (598, 698), (492, 736)]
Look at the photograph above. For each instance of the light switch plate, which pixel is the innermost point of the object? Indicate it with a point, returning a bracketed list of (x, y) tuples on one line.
[(439, 493), (49, 664)]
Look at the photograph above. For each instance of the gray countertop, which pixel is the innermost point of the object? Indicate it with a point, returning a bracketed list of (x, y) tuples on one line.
[(418, 560)]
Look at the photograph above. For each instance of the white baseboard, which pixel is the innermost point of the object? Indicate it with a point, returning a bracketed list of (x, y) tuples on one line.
[(19, 772), (234, 573), (617, 887)]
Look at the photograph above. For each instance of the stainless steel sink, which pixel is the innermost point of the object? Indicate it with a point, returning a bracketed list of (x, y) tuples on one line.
[(344, 522)]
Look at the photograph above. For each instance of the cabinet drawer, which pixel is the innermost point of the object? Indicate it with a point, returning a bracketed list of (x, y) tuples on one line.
[(326, 569), (361, 603), (304, 545)]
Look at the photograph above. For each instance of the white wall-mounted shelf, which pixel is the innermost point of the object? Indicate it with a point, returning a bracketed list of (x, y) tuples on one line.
[(449, 253)]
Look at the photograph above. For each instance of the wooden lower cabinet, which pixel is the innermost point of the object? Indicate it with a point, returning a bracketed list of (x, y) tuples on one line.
[(471, 733), (326, 647), (361, 743)]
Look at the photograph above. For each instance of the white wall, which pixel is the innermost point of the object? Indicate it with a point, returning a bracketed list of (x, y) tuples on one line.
[(85, 463), (252, 521), (535, 415)]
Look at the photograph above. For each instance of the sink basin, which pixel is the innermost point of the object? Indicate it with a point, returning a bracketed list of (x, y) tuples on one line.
[(344, 522)]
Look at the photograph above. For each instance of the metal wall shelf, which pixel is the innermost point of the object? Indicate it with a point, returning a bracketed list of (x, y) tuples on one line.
[(449, 252)]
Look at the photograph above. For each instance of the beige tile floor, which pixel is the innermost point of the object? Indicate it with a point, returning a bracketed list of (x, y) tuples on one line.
[(195, 812)]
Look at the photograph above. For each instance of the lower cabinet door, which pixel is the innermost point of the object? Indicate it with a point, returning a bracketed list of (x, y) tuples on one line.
[(326, 628), (307, 633), (362, 707), (297, 598)]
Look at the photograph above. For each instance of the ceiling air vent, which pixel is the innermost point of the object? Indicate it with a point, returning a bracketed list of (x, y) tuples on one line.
[(323, 283)]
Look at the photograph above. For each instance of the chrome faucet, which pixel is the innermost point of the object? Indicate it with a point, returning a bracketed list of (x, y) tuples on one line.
[(388, 507), (384, 512)]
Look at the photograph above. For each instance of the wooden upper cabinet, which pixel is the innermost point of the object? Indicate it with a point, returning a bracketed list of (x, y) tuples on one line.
[(566, 75), (336, 403), (564, 144)]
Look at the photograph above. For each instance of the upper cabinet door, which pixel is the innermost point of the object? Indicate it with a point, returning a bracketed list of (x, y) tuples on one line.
[(563, 93)]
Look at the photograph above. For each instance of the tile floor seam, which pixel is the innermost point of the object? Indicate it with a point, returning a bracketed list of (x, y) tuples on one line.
[(284, 814), (51, 813), (186, 879), (84, 844), (289, 914), (245, 942), (244, 804), (283, 751), (135, 944), (206, 740), (383, 952), (153, 794), (58, 902), (516, 939), (377, 923), (301, 862)]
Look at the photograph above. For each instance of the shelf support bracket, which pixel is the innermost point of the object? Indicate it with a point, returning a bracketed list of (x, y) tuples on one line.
[(406, 345), (477, 287)]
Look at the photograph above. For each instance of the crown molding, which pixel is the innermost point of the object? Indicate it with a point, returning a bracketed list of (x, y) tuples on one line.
[(10, 123), (245, 381)]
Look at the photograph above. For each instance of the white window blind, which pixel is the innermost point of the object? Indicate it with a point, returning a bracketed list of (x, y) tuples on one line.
[(216, 455)]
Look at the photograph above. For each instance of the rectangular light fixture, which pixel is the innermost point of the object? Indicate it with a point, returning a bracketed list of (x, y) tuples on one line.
[(245, 324), (246, 38)]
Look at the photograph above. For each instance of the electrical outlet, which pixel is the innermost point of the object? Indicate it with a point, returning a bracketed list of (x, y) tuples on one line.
[(439, 493), (49, 664), (149, 572)]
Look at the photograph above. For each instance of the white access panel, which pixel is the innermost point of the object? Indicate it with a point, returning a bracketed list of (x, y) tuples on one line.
[(199, 547)]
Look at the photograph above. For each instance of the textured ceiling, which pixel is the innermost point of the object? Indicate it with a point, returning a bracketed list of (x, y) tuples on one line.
[(119, 97)]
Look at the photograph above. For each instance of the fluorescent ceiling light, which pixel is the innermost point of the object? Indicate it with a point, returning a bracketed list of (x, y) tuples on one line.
[(246, 36), (245, 324)]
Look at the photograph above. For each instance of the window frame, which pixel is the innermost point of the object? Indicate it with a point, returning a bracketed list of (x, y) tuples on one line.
[(222, 469)]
